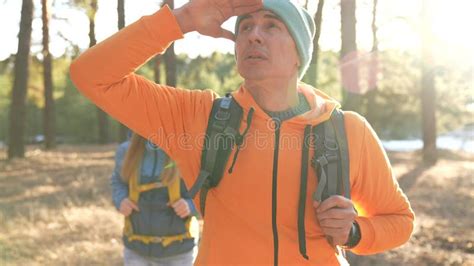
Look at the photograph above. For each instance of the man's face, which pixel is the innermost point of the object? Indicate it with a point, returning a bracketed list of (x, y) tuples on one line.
[(265, 48)]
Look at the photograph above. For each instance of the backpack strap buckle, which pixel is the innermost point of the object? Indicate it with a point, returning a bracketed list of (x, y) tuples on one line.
[(331, 144), (222, 115), (322, 160)]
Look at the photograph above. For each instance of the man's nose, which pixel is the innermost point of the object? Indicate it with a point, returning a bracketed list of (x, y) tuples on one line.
[(255, 35)]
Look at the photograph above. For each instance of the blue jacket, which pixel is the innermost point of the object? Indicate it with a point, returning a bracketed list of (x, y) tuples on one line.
[(155, 217)]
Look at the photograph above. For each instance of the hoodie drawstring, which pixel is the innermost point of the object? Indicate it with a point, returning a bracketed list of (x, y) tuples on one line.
[(303, 187), (239, 139)]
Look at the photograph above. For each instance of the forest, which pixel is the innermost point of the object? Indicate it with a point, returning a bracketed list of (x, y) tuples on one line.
[(56, 147)]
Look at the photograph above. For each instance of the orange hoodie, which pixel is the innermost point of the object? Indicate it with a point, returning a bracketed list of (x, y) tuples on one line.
[(251, 217)]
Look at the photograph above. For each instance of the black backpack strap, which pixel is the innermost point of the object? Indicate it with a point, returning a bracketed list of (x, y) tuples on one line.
[(341, 137), (331, 163), (221, 135), (331, 158)]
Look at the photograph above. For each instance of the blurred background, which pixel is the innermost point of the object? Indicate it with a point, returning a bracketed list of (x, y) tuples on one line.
[(406, 65)]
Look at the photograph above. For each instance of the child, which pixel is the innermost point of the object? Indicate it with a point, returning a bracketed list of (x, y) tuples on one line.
[(147, 190)]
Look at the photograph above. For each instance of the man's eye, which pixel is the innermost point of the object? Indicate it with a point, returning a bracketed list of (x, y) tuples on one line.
[(272, 25), (245, 28)]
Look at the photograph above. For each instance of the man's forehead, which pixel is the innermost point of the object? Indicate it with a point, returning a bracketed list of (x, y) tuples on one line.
[(261, 12)]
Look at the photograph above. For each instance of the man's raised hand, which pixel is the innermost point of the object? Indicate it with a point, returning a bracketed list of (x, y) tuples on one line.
[(207, 16)]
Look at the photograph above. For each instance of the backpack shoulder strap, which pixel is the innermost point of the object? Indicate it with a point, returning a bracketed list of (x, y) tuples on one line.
[(331, 163), (331, 158), (174, 190), (341, 138), (221, 135)]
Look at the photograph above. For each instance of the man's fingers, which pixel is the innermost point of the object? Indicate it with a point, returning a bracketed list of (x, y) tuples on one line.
[(334, 201), (242, 10), (338, 236), (247, 2), (226, 34), (316, 204), (337, 213), (329, 203), (239, 3), (335, 223)]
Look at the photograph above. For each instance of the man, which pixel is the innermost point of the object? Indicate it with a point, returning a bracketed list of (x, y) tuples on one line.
[(251, 216)]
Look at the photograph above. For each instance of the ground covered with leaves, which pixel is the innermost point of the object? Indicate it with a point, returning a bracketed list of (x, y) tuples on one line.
[(55, 209)]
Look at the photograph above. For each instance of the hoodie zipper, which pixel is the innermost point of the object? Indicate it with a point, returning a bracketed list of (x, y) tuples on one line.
[(277, 124)]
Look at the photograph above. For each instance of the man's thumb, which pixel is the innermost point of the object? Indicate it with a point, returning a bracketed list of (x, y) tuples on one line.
[(316, 204), (226, 34)]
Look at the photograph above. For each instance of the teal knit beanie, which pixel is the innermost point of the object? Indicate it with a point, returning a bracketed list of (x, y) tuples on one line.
[(300, 24)]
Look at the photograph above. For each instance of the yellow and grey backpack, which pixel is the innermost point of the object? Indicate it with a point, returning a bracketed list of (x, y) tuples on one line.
[(174, 192)]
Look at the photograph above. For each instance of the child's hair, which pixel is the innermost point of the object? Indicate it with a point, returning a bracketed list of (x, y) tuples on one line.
[(133, 158)]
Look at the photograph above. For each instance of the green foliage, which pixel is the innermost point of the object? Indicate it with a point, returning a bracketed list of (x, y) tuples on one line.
[(146, 71), (78, 115), (218, 72), (329, 77), (454, 94), (393, 108), (395, 112)]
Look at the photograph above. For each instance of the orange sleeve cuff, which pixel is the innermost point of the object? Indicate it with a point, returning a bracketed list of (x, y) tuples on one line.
[(367, 234), (163, 27)]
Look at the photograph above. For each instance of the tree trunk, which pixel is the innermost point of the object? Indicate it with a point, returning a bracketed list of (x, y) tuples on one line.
[(349, 58), (375, 48), (102, 119), (48, 112), (158, 60), (121, 13), (374, 65), (156, 69), (313, 67), (170, 63), (16, 143), (170, 58), (122, 131), (428, 92)]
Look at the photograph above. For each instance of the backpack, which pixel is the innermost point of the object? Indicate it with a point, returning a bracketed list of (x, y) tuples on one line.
[(174, 192), (330, 160)]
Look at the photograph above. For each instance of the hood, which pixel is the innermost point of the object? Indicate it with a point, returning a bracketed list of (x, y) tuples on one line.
[(321, 105)]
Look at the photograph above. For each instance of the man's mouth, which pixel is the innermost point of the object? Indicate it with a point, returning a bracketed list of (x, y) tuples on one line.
[(255, 56)]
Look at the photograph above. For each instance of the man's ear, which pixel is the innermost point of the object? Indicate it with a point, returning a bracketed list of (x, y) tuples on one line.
[(235, 52)]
